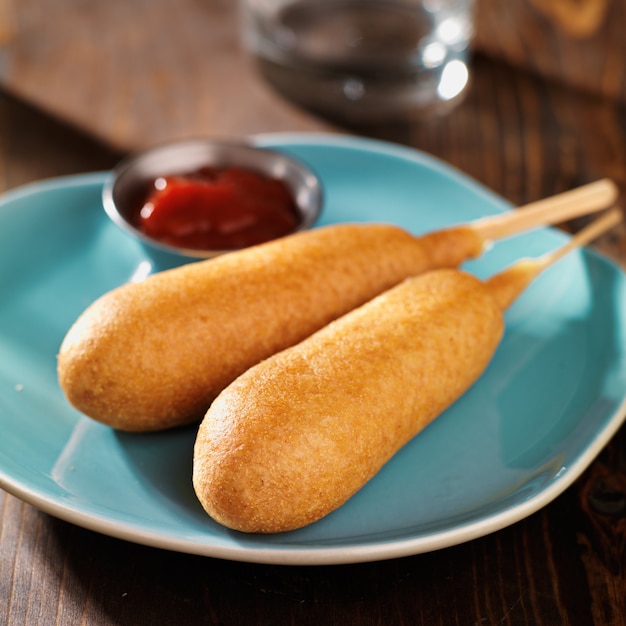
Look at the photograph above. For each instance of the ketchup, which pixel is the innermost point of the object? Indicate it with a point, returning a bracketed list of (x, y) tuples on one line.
[(217, 209)]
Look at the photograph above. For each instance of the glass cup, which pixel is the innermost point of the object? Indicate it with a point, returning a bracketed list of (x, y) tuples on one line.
[(362, 60)]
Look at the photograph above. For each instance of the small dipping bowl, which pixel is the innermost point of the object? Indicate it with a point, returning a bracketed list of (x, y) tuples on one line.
[(131, 181)]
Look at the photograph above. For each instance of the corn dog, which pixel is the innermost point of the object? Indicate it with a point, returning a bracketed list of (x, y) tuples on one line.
[(296, 435), (153, 355)]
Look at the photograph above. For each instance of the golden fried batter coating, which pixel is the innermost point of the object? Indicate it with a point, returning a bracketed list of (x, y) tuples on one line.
[(154, 355), (296, 435)]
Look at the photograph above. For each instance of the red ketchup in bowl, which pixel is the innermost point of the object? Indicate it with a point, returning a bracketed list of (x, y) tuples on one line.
[(217, 209)]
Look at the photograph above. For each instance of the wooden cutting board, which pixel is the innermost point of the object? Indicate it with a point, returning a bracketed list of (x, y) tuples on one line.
[(147, 71), (142, 72)]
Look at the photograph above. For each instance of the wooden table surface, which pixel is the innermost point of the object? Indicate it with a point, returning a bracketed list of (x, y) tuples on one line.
[(525, 138)]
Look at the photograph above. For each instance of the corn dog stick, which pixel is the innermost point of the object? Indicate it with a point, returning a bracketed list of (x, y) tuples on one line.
[(154, 354), (298, 434), (559, 208), (510, 283)]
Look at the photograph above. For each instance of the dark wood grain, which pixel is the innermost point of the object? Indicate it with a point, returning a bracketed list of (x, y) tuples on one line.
[(524, 137)]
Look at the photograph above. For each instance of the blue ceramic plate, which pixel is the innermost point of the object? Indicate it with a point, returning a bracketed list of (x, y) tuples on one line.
[(549, 402)]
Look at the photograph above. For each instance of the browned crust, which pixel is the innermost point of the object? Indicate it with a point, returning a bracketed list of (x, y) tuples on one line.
[(295, 436), (153, 355)]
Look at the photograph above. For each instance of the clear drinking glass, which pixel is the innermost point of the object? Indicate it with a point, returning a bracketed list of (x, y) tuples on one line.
[(362, 60)]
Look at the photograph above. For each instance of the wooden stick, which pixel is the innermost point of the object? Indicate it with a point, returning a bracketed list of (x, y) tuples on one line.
[(507, 285), (589, 233), (559, 208)]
